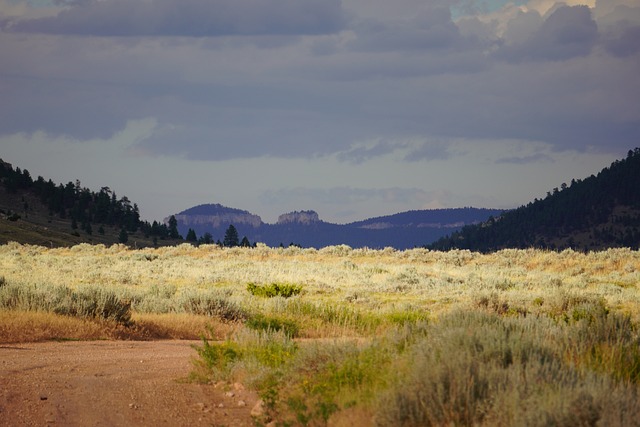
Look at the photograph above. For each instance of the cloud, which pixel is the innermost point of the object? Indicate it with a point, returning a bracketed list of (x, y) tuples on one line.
[(190, 18), (413, 150), (523, 160), (360, 153), (622, 38), (418, 77), (345, 195), (428, 152), (568, 32), (431, 29)]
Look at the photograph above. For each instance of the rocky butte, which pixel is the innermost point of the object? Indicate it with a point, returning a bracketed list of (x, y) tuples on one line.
[(299, 217), (216, 216)]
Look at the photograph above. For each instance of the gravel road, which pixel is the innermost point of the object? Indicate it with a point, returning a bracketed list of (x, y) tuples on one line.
[(112, 383)]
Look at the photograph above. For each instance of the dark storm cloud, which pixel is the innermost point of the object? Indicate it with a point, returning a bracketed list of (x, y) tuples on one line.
[(63, 107), (432, 29), (190, 18), (624, 41), (420, 79), (568, 32)]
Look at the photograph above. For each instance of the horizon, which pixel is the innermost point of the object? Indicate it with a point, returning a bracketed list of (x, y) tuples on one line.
[(352, 108), (320, 216)]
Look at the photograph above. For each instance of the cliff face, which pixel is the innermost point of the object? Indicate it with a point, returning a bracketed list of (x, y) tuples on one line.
[(216, 216), (298, 217)]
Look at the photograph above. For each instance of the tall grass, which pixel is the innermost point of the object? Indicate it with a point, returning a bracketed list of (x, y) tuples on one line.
[(467, 368), (87, 301)]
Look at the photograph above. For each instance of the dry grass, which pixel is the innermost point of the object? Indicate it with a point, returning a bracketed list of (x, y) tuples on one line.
[(20, 326), (183, 326), (29, 326), (344, 291)]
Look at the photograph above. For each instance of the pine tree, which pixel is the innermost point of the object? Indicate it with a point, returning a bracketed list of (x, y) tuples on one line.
[(173, 228), (191, 236), (231, 237), (124, 236), (206, 239)]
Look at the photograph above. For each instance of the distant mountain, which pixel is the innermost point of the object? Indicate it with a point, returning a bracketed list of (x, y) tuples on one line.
[(304, 228), (598, 212)]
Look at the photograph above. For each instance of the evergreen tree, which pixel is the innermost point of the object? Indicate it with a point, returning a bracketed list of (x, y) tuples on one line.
[(191, 236), (245, 242), (206, 239), (231, 237), (124, 236), (173, 228)]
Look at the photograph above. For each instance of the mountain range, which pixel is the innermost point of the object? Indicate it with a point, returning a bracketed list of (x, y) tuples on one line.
[(598, 212), (305, 228)]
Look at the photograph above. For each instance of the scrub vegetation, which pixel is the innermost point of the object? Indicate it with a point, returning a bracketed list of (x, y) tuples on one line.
[(359, 336)]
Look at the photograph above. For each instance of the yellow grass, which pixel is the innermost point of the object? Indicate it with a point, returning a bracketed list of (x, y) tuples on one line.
[(18, 326), (182, 326)]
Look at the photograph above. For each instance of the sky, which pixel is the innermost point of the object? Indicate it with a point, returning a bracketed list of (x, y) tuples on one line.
[(352, 108)]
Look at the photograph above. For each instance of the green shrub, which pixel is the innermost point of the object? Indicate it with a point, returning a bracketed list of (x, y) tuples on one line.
[(259, 352), (260, 322), (284, 290), (214, 306), (407, 316), (219, 357)]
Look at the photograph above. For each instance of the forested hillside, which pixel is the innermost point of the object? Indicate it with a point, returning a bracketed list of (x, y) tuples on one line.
[(38, 211), (598, 212)]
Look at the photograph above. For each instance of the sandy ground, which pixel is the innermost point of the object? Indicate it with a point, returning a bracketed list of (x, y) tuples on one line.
[(113, 383)]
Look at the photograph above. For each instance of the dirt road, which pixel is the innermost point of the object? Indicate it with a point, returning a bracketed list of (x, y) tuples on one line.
[(112, 383)]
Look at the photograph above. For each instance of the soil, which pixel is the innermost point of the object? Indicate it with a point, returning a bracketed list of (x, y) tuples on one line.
[(113, 383)]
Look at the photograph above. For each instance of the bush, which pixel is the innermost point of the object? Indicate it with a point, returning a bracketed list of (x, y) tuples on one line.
[(213, 306), (218, 357), (89, 302), (284, 290), (260, 322)]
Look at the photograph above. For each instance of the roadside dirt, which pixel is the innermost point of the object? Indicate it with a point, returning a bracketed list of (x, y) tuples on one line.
[(113, 383)]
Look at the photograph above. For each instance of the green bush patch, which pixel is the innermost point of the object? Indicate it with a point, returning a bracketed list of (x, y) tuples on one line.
[(284, 290)]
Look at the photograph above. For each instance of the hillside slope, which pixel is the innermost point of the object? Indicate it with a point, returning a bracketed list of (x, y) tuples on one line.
[(39, 212), (601, 211)]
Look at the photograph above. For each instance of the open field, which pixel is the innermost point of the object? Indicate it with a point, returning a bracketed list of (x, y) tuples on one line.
[(341, 335)]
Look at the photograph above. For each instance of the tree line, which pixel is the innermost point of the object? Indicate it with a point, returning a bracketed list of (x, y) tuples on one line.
[(581, 206), (84, 208), (230, 239)]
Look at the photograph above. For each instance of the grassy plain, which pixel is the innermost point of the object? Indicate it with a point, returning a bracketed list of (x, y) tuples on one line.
[(358, 336)]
